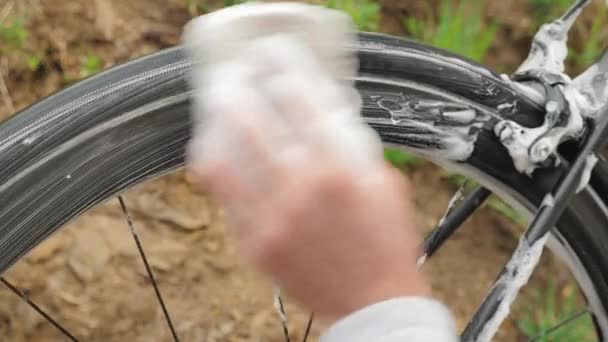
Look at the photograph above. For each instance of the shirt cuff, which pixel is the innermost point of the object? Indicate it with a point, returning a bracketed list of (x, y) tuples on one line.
[(411, 319)]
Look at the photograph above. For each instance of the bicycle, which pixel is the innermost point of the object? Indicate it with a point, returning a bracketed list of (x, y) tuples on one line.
[(133, 120)]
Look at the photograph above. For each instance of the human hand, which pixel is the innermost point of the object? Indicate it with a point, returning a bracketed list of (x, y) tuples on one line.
[(278, 141), (334, 239)]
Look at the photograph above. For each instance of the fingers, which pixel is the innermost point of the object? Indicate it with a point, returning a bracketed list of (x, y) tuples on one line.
[(239, 151), (233, 135), (327, 125)]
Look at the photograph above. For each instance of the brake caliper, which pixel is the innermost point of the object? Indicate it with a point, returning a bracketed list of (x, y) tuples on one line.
[(567, 103), (535, 147)]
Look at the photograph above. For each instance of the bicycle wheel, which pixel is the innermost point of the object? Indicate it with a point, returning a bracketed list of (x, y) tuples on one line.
[(101, 136)]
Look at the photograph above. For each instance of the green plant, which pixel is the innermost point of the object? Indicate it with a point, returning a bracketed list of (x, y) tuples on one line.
[(228, 3), (13, 39), (33, 62), (418, 29), (365, 13), (13, 33), (89, 65), (547, 10), (457, 180), (197, 7), (550, 309), (458, 28), (593, 45), (507, 211), (402, 159)]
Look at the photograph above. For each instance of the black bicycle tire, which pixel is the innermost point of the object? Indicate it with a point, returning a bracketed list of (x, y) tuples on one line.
[(97, 138)]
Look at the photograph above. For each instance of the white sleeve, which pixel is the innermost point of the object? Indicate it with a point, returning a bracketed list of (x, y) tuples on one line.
[(409, 319)]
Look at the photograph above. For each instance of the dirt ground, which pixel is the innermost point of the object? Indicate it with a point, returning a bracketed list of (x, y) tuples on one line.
[(89, 275)]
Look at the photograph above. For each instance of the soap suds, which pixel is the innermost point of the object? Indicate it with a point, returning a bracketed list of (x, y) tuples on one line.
[(517, 273), (593, 87), (548, 201), (462, 116), (442, 129), (507, 107), (586, 175)]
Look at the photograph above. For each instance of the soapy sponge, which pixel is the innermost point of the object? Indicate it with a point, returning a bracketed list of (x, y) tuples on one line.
[(285, 71)]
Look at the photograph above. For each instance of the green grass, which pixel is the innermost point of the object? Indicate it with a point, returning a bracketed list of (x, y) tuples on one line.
[(13, 34), (13, 39), (365, 13), (401, 159), (506, 210), (90, 65), (459, 28), (593, 44), (546, 10), (33, 62), (550, 308), (457, 180), (198, 7)]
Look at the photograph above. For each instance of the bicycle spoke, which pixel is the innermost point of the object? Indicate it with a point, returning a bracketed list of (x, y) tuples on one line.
[(38, 309), (460, 208), (280, 309), (495, 307), (308, 326), (147, 266), (560, 324)]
